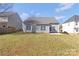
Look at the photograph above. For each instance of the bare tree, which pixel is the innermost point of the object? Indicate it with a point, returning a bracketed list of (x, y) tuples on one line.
[(5, 7)]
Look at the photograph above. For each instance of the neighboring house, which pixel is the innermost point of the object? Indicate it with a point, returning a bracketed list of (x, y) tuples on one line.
[(71, 25), (41, 24), (10, 21)]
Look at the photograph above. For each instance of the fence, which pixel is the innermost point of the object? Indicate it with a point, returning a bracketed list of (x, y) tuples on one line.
[(7, 30)]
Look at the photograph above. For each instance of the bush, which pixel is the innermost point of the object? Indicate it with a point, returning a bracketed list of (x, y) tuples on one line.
[(65, 32)]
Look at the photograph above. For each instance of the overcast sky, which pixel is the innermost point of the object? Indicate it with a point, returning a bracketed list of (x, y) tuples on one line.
[(60, 11)]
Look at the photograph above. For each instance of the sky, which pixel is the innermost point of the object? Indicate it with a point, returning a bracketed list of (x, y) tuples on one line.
[(61, 11)]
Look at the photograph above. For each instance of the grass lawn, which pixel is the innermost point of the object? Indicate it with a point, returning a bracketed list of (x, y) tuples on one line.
[(29, 44)]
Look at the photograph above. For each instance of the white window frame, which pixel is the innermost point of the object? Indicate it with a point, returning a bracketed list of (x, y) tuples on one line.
[(3, 19), (28, 27), (43, 27)]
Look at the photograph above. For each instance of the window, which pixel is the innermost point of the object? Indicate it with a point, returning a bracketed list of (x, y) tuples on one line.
[(76, 23), (53, 27), (3, 19), (4, 26), (28, 27), (43, 27), (76, 29)]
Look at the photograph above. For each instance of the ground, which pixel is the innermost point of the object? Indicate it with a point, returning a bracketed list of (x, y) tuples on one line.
[(33, 44)]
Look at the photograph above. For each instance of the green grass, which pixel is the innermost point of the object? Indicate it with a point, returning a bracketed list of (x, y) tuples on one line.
[(29, 44)]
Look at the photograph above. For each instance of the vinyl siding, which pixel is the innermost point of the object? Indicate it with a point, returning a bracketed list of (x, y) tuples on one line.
[(38, 29), (15, 21), (68, 27)]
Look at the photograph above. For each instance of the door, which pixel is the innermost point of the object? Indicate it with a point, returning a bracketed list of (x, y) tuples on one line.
[(33, 28), (52, 29)]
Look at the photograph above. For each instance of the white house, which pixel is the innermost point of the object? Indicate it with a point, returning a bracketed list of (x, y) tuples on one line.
[(41, 24), (10, 21), (71, 25)]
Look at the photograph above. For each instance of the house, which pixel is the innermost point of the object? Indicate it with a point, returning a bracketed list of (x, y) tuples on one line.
[(41, 25), (71, 25), (10, 21)]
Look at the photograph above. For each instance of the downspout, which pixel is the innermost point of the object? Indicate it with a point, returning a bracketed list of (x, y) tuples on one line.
[(74, 26)]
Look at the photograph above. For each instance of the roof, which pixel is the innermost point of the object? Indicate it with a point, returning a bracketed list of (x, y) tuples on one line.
[(73, 18), (41, 20), (6, 14)]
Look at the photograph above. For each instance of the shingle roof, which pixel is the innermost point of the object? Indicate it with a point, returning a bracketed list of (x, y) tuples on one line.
[(41, 20), (73, 18)]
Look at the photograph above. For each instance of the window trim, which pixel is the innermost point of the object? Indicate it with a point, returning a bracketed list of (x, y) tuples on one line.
[(3, 19), (76, 23), (43, 27), (77, 29), (28, 27), (53, 27)]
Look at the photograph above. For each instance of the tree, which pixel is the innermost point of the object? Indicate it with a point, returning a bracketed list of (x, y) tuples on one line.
[(5, 7)]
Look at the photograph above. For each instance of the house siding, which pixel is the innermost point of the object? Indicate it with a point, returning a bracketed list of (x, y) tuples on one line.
[(3, 22), (38, 28), (76, 26), (15, 21), (25, 28), (68, 27)]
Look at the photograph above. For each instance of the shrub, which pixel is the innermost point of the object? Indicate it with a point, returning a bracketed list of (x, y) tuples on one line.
[(65, 32)]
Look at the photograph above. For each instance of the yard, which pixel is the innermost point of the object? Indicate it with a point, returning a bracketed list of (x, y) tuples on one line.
[(29, 44)]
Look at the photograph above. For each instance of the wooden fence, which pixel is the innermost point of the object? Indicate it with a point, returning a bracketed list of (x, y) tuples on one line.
[(7, 30)]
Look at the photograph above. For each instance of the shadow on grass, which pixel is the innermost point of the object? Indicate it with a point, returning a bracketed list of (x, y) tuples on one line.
[(19, 33), (9, 33)]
